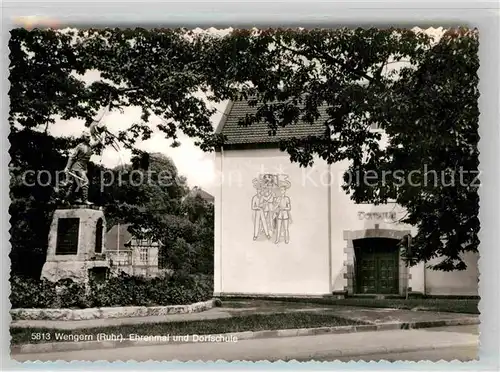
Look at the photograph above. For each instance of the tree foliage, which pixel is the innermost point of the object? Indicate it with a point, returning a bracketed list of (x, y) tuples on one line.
[(36, 160), (135, 195), (156, 70), (427, 107)]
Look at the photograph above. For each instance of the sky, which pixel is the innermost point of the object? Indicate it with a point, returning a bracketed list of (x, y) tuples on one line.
[(193, 163)]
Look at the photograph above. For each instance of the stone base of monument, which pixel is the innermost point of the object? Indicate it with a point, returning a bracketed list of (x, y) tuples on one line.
[(78, 271), (76, 248)]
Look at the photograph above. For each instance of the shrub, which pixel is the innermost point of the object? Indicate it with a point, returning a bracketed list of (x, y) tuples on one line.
[(124, 290), (194, 288), (121, 290), (30, 293), (71, 294)]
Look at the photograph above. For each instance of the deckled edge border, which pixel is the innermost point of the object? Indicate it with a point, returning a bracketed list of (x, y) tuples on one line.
[(481, 14)]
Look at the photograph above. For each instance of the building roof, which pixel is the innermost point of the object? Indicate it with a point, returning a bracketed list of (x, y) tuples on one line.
[(258, 133), (118, 237), (198, 191)]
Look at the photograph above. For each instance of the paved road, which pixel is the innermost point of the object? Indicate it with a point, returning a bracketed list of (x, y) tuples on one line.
[(446, 343), (463, 354)]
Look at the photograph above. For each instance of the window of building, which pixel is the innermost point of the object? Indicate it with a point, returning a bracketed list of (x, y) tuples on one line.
[(143, 254), (375, 126)]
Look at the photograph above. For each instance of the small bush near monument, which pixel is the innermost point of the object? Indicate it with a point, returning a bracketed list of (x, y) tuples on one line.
[(121, 290), (28, 293)]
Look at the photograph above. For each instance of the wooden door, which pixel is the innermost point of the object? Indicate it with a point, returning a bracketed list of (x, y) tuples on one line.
[(377, 267), (387, 273), (367, 274)]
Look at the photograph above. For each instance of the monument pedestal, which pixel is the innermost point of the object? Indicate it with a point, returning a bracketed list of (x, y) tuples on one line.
[(76, 248)]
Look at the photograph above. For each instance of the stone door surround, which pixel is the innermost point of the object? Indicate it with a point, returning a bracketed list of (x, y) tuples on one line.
[(350, 258)]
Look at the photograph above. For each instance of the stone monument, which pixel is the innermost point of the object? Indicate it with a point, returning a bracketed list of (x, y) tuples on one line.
[(76, 245), (76, 248)]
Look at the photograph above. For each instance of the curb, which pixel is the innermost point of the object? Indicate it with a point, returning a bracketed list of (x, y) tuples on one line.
[(108, 312), (118, 341)]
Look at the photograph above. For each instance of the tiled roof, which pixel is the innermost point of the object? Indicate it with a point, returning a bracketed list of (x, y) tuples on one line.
[(197, 191), (259, 132), (117, 237)]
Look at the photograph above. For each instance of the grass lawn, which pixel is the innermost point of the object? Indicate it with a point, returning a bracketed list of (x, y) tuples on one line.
[(467, 306), (256, 322)]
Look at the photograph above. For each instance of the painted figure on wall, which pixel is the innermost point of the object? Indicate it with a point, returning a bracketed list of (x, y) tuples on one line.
[(267, 198), (282, 208), (259, 219), (271, 207)]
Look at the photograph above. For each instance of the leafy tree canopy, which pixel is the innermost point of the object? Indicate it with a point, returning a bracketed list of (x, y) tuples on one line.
[(428, 108), (156, 70)]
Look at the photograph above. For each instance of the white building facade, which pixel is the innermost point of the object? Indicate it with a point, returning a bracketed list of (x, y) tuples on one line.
[(282, 230)]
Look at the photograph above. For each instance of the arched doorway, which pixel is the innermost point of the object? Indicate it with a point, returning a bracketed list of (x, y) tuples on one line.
[(370, 257), (377, 266)]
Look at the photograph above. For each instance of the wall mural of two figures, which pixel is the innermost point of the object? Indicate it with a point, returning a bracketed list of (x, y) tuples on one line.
[(271, 208)]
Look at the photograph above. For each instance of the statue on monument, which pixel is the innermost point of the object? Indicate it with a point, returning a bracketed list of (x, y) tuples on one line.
[(76, 171), (92, 142)]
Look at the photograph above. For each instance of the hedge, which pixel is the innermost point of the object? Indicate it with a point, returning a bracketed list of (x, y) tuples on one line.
[(120, 290)]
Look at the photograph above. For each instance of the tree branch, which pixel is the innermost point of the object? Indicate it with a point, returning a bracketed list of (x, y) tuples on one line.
[(338, 62)]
